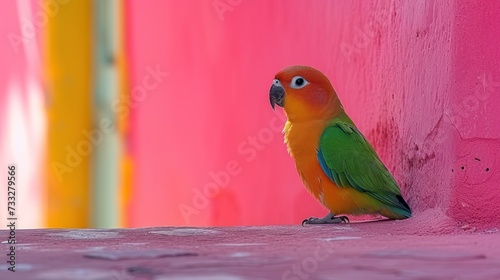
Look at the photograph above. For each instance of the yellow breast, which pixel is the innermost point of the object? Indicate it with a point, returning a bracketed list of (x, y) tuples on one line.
[(302, 141)]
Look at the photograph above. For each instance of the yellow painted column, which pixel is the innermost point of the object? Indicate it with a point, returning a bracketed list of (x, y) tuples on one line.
[(68, 85), (126, 166)]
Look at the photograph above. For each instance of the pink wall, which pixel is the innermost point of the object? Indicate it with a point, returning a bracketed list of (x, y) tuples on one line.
[(22, 108), (475, 105), (401, 69)]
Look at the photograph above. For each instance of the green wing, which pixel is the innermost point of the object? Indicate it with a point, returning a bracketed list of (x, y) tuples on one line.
[(350, 161)]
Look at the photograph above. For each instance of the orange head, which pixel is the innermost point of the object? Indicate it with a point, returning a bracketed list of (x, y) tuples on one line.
[(305, 93)]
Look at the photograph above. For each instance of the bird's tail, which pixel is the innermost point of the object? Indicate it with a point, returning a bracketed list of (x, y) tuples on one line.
[(400, 211)]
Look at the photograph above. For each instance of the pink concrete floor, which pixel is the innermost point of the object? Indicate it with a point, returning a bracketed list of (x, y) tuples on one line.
[(419, 248)]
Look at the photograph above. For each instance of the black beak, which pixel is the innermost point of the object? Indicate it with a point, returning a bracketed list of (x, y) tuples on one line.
[(277, 95)]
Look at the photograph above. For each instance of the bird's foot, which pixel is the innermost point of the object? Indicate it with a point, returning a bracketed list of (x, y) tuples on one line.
[(328, 219)]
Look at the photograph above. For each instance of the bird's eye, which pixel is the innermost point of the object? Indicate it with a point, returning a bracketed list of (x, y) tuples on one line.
[(298, 82)]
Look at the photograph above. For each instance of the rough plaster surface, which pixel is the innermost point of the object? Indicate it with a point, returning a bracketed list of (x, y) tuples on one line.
[(433, 104), (475, 114), (420, 79), (391, 250)]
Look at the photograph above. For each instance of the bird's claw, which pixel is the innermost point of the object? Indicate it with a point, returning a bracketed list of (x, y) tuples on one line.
[(328, 219), (344, 219)]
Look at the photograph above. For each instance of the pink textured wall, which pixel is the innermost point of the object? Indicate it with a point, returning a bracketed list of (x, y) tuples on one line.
[(411, 75), (475, 103), (429, 85)]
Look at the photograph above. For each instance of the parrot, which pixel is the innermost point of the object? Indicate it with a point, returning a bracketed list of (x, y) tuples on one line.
[(336, 163)]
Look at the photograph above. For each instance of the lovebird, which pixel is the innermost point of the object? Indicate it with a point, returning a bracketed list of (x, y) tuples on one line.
[(336, 163)]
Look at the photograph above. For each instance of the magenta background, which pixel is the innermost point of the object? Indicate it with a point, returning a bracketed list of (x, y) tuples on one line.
[(420, 78), (414, 82)]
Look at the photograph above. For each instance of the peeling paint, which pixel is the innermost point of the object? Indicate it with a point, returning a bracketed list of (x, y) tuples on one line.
[(90, 249), (116, 255), (75, 274), (207, 277), (185, 231), (240, 254), (340, 238), (429, 255), (240, 244), (86, 234)]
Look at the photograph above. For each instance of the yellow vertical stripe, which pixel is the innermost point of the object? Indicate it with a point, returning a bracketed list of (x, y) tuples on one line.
[(126, 161), (68, 60)]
